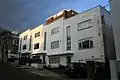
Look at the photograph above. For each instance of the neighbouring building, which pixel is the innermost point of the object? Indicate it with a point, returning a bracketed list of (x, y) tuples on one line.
[(9, 42), (13, 46), (69, 36), (115, 65)]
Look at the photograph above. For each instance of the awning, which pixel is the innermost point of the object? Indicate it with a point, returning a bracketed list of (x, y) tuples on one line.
[(61, 53)]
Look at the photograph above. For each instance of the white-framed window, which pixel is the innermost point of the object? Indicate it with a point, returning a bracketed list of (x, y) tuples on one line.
[(36, 46), (55, 30), (37, 34), (25, 37), (24, 46), (68, 36), (55, 44), (85, 43), (84, 25), (54, 59)]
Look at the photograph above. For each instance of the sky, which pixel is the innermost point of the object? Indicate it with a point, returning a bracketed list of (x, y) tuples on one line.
[(22, 14)]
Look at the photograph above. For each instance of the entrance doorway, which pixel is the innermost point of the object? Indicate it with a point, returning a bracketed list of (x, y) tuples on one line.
[(68, 59)]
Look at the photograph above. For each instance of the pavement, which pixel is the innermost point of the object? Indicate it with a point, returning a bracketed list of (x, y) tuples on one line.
[(8, 72), (47, 73)]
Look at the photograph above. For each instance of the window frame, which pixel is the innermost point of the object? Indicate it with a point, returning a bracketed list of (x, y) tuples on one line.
[(84, 40), (54, 30), (37, 45), (54, 59), (37, 34), (81, 23), (25, 37), (24, 47), (53, 46)]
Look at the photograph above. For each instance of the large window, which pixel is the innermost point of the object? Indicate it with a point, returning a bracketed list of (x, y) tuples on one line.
[(30, 42), (84, 25), (45, 34), (68, 36), (25, 37), (36, 46), (37, 34), (85, 43), (24, 46), (54, 44), (54, 60), (55, 30)]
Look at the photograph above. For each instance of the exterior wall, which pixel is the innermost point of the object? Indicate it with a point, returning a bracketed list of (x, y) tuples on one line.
[(27, 41), (54, 37), (115, 12), (39, 39), (76, 35), (108, 36)]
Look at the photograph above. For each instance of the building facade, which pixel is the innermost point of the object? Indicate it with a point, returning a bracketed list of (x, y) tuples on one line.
[(115, 65), (69, 36)]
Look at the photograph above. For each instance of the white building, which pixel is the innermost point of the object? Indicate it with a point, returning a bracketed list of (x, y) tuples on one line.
[(69, 36), (79, 38), (115, 13)]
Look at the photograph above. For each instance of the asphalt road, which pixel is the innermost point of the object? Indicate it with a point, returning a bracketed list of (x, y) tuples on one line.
[(9, 73)]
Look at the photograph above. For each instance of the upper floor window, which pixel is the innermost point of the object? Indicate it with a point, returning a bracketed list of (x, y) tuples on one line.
[(54, 44), (25, 37), (68, 36), (84, 25), (24, 46), (36, 46), (85, 43), (55, 30), (37, 34)]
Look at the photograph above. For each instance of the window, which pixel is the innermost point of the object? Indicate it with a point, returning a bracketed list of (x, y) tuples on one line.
[(69, 43), (36, 46), (84, 44), (20, 43), (55, 30), (24, 46), (30, 42), (54, 44), (84, 25), (45, 33), (68, 36), (37, 34), (54, 60), (25, 37)]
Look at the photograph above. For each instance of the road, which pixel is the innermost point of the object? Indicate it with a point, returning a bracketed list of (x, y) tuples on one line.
[(9, 73)]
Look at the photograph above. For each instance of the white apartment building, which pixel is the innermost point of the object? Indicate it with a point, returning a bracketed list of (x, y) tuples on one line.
[(80, 38), (69, 36), (32, 43)]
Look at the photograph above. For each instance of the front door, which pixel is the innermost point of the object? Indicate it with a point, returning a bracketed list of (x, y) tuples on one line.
[(43, 59), (68, 60)]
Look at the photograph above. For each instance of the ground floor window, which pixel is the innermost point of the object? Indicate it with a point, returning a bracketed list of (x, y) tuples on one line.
[(54, 60)]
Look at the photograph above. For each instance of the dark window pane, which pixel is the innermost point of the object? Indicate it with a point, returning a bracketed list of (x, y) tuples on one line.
[(85, 44), (68, 47), (80, 46), (36, 46), (68, 43), (24, 47)]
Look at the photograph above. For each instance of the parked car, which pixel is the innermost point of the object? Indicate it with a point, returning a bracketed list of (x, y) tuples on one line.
[(76, 70)]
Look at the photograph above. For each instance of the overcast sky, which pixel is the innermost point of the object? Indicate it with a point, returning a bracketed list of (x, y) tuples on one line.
[(21, 14)]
